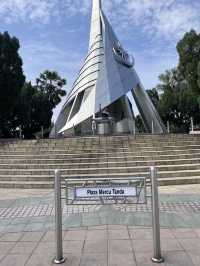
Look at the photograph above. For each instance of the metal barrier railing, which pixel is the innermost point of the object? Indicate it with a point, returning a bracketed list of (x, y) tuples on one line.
[(101, 191)]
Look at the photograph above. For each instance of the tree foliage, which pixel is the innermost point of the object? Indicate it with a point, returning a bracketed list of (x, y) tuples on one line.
[(139, 124), (189, 58), (153, 94), (35, 108), (180, 87), (11, 79), (50, 84)]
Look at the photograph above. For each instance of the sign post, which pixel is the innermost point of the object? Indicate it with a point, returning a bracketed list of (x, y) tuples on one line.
[(157, 257), (59, 259)]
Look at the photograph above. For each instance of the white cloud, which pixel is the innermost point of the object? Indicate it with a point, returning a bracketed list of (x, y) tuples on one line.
[(12, 11), (157, 18), (40, 11)]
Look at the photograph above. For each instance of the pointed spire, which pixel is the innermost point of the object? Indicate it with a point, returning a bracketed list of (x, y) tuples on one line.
[(95, 21)]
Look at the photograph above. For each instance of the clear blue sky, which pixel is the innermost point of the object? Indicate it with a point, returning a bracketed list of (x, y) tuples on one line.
[(54, 34)]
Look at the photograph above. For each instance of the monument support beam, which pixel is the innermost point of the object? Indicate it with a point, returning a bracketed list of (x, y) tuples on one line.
[(147, 110)]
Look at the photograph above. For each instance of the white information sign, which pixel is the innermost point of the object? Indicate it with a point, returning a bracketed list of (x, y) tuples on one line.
[(116, 191)]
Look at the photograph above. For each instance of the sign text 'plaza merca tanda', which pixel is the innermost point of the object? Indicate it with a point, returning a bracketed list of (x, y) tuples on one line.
[(98, 100)]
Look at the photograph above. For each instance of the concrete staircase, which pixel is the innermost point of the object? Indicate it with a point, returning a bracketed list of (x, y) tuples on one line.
[(31, 164)]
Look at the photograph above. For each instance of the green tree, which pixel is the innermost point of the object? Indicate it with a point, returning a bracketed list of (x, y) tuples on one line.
[(189, 59), (178, 102), (11, 80), (179, 88), (154, 96), (50, 84), (36, 104), (139, 124)]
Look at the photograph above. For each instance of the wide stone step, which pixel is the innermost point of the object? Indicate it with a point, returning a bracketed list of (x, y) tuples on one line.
[(103, 170), (27, 184), (119, 163), (103, 138), (144, 151), (86, 154), (60, 159), (132, 143), (178, 180), (99, 149)]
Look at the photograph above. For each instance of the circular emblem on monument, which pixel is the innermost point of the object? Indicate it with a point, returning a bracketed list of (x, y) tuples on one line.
[(122, 56)]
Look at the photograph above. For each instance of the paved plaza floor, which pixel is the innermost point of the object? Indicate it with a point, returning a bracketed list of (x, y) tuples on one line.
[(107, 236)]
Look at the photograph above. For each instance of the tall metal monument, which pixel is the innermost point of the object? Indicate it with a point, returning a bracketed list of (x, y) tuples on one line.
[(99, 94)]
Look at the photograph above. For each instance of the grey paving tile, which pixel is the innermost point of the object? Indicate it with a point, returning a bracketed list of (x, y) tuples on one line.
[(5, 221), (32, 236), (48, 226), (23, 248), (118, 234), (142, 245), (194, 256), (144, 233), (96, 234), (166, 233), (116, 227), (2, 228), (1, 257), (119, 246), (15, 228), (49, 236), (45, 248), (20, 220), (93, 260), (197, 231), (98, 246), (190, 244), (170, 245), (98, 227), (184, 233), (74, 246), (14, 260), (115, 259), (75, 235), (72, 221), (177, 258), (34, 227), (38, 219), (77, 228), (138, 227), (5, 247), (40, 260), (11, 237)]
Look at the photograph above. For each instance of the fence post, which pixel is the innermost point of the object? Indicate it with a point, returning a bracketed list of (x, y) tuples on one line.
[(168, 127), (152, 127), (192, 124), (134, 128), (20, 132), (42, 131), (55, 132), (157, 257), (59, 259)]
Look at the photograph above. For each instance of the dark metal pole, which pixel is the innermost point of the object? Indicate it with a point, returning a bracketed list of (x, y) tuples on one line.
[(157, 257), (134, 128), (59, 259), (168, 127), (152, 129), (20, 132), (42, 131)]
